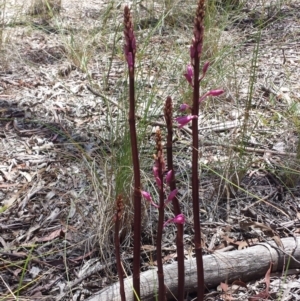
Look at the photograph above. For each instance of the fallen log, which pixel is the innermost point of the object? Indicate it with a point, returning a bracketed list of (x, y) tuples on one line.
[(245, 265)]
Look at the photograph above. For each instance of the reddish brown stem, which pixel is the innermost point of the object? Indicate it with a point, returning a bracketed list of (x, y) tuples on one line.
[(130, 50), (196, 50), (161, 216), (195, 182), (137, 190), (176, 206), (160, 271), (118, 216)]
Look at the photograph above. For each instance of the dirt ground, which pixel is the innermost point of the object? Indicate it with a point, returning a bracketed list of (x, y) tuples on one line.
[(62, 83)]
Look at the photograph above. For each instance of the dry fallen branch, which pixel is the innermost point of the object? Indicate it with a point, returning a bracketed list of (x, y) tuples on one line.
[(246, 265)]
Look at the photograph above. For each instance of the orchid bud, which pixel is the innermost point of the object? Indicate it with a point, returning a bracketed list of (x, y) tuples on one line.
[(155, 171), (158, 182), (184, 107), (205, 68), (169, 176), (189, 74), (172, 194)]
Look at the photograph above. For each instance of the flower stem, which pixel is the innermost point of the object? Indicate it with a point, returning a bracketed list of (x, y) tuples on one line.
[(117, 218), (137, 193), (176, 207), (195, 56), (161, 216), (130, 50)]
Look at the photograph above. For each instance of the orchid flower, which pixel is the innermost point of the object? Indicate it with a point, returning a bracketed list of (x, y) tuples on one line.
[(146, 195), (169, 176), (183, 120), (204, 70), (179, 219), (211, 93), (171, 196), (155, 171), (158, 182)]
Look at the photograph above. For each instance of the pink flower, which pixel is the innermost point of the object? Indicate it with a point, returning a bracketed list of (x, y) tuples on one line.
[(189, 74), (211, 93), (158, 182), (171, 196), (179, 219), (155, 171), (184, 107), (183, 120), (216, 92), (169, 176), (205, 68), (146, 195)]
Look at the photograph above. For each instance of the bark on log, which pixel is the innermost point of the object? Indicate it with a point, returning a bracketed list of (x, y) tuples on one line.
[(248, 264)]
